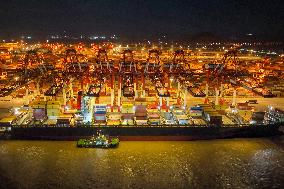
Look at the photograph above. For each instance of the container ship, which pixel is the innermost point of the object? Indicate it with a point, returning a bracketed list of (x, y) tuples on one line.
[(155, 133)]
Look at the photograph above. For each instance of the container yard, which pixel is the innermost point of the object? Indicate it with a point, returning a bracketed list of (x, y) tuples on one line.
[(111, 85)]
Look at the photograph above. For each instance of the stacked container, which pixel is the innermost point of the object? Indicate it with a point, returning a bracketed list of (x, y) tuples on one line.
[(100, 113), (127, 111), (141, 115)]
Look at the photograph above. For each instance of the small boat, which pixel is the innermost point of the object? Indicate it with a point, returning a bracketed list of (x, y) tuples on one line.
[(101, 141)]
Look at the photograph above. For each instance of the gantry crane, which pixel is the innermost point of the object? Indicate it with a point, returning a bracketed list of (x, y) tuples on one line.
[(71, 62), (127, 74), (32, 62), (153, 64), (127, 65), (218, 74), (179, 63), (103, 63)]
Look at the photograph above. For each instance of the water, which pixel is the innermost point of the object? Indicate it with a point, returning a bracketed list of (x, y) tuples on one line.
[(236, 163)]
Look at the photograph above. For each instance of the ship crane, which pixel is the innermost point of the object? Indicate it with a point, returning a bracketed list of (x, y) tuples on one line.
[(128, 87), (127, 65), (153, 64), (32, 61), (229, 60), (162, 90), (127, 75), (95, 89), (56, 87), (71, 60), (218, 73), (103, 63), (179, 64), (105, 68)]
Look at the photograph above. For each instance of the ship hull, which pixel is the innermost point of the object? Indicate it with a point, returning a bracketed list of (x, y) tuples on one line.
[(141, 133)]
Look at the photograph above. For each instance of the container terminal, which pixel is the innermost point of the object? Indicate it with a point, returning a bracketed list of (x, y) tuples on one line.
[(63, 91)]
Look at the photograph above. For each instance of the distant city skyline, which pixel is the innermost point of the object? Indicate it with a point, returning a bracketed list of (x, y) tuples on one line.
[(143, 19)]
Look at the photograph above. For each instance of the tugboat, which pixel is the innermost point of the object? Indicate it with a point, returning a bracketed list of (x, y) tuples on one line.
[(101, 141)]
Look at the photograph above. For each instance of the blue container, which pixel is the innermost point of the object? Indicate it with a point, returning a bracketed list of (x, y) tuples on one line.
[(196, 108)]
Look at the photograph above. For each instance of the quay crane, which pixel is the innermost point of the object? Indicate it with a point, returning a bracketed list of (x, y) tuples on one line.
[(103, 63), (104, 68), (32, 62), (179, 69), (95, 89), (71, 61), (153, 64), (153, 69), (56, 87), (128, 87), (217, 74), (127, 74), (179, 64), (234, 75), (127, 65), (161, 88), (4, 56)]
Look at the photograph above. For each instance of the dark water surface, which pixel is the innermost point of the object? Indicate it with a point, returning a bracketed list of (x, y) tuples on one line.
[(234, 163)]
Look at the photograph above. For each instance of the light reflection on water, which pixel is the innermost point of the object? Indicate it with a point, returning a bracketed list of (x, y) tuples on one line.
[(237, 163)]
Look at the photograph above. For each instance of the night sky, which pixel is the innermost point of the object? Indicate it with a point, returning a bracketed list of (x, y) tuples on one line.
[(142, 18)]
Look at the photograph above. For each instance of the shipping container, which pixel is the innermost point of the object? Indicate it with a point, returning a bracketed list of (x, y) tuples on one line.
[(182, 119), (154, 118), (127, 119), (39, 113), (114, 118), (127, 108), (141, 120), (140, 110)]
